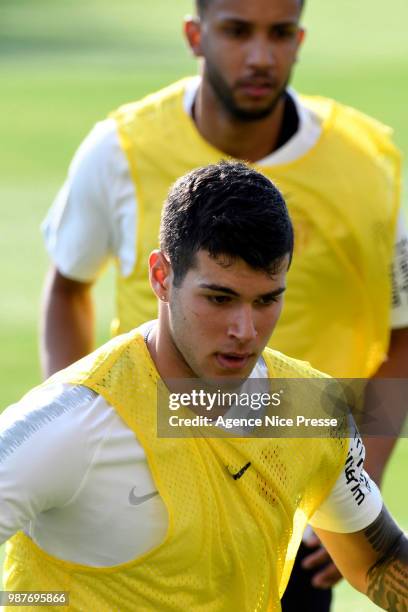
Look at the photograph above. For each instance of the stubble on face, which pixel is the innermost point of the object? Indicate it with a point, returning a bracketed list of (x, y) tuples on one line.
[(224, 93), (248, 51), (198, 329)]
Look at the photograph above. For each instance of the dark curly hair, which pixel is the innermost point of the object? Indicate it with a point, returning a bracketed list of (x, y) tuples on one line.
[(229, 210), (202, 5)]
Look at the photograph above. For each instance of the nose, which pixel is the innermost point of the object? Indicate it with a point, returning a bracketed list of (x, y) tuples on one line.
[(242, 325), (260, 52)]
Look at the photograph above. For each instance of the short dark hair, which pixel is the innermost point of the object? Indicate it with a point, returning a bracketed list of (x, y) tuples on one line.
[(202, 5), (229, 210)]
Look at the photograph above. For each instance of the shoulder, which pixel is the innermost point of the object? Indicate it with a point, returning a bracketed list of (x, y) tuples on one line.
[(43, 405), (356, 127), (283, 366), (151, 104), (47, 442), (50, 417), (109, 360), (98, 147)]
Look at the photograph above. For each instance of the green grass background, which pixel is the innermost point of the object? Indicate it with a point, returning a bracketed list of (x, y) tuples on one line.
[(64, 65)]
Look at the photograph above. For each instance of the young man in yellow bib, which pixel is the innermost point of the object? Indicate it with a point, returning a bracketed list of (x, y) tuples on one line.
[(99, 506), (337, 167)]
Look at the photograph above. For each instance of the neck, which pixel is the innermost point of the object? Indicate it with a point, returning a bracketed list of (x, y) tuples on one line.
[(248, 140)]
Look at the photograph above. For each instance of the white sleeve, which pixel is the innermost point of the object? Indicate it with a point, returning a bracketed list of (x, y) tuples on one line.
[(399, 312), (355, 500), (44, 454), (93, 217)]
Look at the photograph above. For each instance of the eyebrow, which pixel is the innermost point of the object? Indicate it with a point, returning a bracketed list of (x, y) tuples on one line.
[(240, 21), (229, 291)]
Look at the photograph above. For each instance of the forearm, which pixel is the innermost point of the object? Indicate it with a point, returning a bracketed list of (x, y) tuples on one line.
[(67, 330), (387, 580), (374, 560)]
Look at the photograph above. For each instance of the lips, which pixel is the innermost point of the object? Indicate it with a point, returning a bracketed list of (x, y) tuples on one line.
[(257, 87), (233, 361)]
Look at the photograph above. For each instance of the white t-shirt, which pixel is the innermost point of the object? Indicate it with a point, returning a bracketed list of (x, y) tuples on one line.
[(94, 216), (75, 478)]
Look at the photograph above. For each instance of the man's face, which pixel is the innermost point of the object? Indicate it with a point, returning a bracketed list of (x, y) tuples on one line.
[(249, 48), (222, 315)]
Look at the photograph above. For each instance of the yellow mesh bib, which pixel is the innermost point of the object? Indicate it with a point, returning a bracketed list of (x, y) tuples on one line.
[(230, 543), (343, 198)]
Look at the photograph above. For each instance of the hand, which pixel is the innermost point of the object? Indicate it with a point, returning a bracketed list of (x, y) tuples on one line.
[(328, 575)]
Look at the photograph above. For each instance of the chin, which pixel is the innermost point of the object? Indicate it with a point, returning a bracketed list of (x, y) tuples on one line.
[(233, 377)]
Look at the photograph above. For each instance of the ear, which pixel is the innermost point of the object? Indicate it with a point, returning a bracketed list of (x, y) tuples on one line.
[(300, 37), (192, 32), (160, 273), (301, 34)]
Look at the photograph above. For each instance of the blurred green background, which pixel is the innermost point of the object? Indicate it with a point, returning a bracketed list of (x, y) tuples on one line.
[(66, 64)]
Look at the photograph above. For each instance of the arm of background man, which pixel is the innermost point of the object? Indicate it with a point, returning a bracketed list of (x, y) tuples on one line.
[(374, 561), (379, 449), (67, 322), (392, 408), (87, 226)]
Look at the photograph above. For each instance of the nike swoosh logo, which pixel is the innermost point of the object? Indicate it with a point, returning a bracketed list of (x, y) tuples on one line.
[(136, 500), (241, 472)]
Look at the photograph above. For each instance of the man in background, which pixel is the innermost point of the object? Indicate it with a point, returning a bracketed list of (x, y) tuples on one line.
[(337, 168)]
